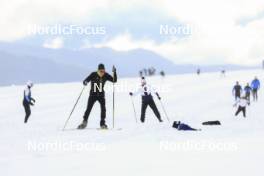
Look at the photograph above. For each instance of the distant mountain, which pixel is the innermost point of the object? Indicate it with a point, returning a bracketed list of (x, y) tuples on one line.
[(20, 63), (128, 63), (19, 69)]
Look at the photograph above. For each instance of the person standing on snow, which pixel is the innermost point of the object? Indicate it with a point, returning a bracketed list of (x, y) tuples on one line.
[(255, 85), (97, 79), (242, 104), (28, 100), (147, 100), (237, 90), (247, 90)]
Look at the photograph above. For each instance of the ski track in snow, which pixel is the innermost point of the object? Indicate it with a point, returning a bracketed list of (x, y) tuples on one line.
[(136, 149)]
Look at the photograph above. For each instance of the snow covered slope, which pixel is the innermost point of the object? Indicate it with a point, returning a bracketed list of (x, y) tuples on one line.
[(41, 148)]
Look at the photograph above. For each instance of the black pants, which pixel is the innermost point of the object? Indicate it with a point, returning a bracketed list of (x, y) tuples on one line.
[(243, 109), (145, 103), (237, 96), (27, 110), (248, 96), (255, 94), (91, 101)]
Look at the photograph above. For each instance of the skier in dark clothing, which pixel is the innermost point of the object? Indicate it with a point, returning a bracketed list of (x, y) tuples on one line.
[(237, 90), (147, 100), (184, 127), (247, 90), (28, 100), (198, 71), (255, 85), (97, 93), (162, 73)]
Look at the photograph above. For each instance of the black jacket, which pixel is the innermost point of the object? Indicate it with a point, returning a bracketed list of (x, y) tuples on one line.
[(237, 89), (97, 83)]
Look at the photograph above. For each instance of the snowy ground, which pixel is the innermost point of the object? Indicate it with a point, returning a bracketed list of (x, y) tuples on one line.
[(235, 148)]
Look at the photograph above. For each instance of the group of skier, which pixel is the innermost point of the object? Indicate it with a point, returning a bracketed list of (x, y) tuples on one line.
[(99, 78), (242, 96)]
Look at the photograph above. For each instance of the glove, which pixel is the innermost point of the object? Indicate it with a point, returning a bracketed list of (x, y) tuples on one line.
[(85, 83), (113, 69), (130, 93), (33, 100), (32, 104)]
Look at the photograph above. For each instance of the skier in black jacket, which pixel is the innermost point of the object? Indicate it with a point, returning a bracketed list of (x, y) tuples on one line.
[(97, 93), (237, 90)]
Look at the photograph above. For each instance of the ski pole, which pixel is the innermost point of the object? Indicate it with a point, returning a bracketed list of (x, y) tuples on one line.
[(164, 111), (135, 114), (113, 96), (113, 105), (73, 109)]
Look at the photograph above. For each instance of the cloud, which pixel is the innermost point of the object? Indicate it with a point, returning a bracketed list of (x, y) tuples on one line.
[(55, 43), (218, 37)]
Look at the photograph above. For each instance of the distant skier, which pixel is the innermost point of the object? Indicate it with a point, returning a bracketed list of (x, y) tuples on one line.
[(242, 104), (28, 100), (97, 79), (223, 73), (198, 71), (140, 73), (184, 127), (247, 90), (147, 100), (255, 85), (237, 90), (162, 73)]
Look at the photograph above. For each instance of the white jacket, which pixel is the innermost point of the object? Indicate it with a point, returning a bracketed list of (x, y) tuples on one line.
[(145, 90), (242, 102)]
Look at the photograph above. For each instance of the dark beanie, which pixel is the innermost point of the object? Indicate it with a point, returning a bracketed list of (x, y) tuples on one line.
[(101, 67)]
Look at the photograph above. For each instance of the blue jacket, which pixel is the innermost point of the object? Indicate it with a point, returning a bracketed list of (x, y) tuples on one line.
[(247, 89), (183, 126), (27, 95), (255, 84)]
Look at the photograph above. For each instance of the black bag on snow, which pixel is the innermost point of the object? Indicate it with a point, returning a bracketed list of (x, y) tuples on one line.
[(216, 122)]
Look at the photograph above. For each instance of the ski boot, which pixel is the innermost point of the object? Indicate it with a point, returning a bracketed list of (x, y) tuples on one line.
[(82, 125), (142, 120), (160, 120), (104, 126)]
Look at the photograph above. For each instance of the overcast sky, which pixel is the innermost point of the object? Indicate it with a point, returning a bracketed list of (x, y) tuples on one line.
[(223, 31)]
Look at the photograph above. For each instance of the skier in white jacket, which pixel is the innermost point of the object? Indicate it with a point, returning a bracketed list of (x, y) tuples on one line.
[(242, 103), (147, 100)]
